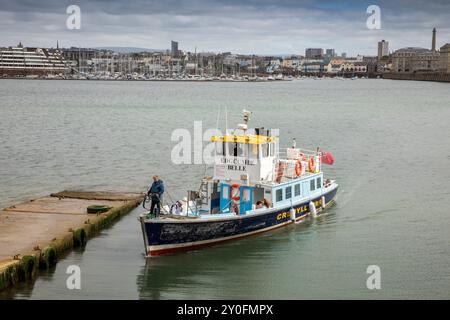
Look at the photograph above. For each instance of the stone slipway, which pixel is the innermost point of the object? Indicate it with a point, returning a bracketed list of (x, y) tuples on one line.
[(34, 234)]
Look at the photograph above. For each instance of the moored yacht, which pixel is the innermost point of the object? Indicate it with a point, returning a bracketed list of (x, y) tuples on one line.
[(255, 187)]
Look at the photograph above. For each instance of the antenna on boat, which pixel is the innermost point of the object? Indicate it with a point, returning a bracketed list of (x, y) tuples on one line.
[(244, 126), (226, 120), (218, 118), (247, 115)]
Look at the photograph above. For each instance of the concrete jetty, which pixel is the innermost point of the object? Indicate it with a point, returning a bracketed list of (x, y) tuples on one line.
[(35, 233)]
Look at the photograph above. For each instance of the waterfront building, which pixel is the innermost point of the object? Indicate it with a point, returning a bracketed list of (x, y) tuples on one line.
[(314, 53), (383, 49), (413, 59), (444, 58), (333, 68), (330, 53), (245, 62), (296, 64), (354, 67), (22, 61), (230, 60), (174, 48), (287, 63), (372, 64), (313, 67), (273, 65), (337, 60), (79, 59)]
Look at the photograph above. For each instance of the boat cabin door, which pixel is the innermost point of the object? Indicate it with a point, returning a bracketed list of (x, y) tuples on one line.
[(224, 197), (246, 199), (240, 196)]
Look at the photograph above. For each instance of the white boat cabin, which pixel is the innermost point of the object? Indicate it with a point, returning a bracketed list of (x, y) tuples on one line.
[(249, 167)]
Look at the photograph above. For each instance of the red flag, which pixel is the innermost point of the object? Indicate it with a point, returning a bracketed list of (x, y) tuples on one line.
[(327, 158)]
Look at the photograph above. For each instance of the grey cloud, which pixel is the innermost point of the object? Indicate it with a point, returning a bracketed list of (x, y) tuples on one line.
[(262, 26)]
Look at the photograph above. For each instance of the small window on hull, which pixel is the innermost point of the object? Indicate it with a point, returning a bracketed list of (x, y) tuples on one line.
[(297, 190), (288, 192), (319, 183), (279, 195), (312, 185)]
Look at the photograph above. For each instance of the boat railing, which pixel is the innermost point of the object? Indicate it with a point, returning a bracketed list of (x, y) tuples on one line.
[(288, 167), (295, 153)]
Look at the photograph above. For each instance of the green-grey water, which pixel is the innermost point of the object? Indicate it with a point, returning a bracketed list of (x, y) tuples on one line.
[(391, 141)]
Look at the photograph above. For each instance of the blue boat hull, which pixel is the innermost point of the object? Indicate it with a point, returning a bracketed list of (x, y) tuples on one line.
[(168, 236)]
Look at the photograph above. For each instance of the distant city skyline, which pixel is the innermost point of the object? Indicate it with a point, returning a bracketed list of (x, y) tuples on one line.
[(247, 27)]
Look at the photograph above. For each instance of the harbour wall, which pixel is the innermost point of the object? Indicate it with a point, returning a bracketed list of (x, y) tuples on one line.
[(36, 233), (439, 77)]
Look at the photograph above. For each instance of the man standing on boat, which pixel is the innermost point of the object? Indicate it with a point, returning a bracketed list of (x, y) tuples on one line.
[(156, 192)]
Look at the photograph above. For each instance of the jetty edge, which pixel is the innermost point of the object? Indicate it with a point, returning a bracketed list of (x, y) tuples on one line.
[(36, 233)]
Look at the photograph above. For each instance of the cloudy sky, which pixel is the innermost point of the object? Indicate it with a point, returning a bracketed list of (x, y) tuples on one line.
[(239, 26)]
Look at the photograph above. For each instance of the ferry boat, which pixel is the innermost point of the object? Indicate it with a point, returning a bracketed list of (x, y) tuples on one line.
[(249, 169)]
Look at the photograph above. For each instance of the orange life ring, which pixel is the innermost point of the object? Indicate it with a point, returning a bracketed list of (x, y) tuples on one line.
[(298, 168), (311, 165), (233, 187)]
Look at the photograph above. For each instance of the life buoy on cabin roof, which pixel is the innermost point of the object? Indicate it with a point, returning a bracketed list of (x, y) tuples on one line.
[(298, 168), (311, 165)]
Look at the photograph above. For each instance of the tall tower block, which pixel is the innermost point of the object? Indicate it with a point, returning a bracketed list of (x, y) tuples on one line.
[(433, 40)]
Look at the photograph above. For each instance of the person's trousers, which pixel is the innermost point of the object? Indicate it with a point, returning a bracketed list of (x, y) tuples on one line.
[(157, 204)]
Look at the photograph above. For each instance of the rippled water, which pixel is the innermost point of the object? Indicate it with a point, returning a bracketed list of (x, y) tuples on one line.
[(391, 141)]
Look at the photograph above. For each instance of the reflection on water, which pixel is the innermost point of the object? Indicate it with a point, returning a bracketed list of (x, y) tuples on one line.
[(205, 273)]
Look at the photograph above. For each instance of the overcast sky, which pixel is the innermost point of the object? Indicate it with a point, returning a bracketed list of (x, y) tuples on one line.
[(239, 26)]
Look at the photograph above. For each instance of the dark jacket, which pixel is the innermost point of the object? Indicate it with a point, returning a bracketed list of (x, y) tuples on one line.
[(157, 187)]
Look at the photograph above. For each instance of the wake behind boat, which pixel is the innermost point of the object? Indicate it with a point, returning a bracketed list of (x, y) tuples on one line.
[(255, 188)]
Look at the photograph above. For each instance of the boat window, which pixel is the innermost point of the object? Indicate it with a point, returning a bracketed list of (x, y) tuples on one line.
[(219, 148), (272, 149), (319, 183), (279, 195), (297, 190), (246, 195), (253, 151), (312, 185), (288, 192), (225, 192), (233, 149), (229, 146), (265, 150), (240, 150)]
